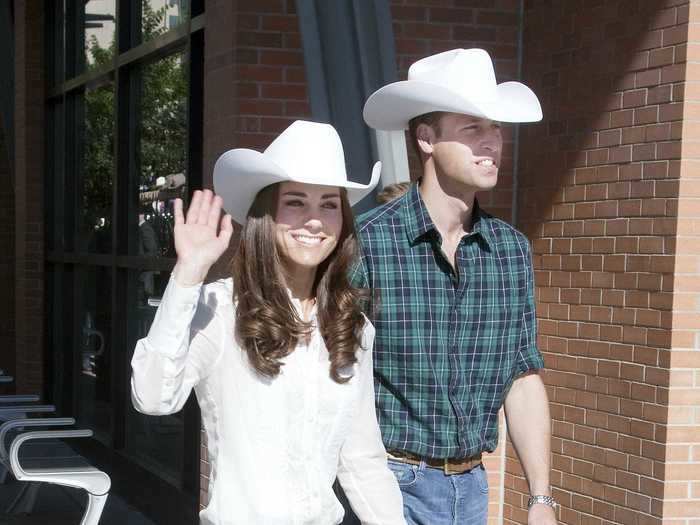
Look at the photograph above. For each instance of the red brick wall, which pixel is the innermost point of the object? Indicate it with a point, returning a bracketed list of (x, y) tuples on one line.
[(29, 233), (599, 198), (682, 469), (423, 28), (255, 83), (7, 265), (271, 76)]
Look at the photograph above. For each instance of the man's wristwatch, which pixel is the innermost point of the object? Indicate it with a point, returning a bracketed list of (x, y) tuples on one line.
[(544, 500)]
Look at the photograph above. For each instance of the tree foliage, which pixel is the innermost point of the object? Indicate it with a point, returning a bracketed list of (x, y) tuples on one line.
[(160, 122)]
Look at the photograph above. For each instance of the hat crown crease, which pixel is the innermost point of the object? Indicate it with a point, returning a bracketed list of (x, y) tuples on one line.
[(305, 150), (467, 72)]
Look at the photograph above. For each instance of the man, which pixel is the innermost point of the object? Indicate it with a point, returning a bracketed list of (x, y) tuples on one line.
[(454, 308), (148, 246)]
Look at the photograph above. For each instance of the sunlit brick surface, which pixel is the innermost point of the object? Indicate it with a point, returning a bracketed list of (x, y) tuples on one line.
[(601, 181)]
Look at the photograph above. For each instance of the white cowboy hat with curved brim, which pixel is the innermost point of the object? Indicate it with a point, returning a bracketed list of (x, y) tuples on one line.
[(456, 81), (307, 152)]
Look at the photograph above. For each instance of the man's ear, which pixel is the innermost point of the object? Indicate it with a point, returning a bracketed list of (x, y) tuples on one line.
[(425, 136)]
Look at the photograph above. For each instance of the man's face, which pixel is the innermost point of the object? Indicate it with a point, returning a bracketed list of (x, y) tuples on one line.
[(466, 150)]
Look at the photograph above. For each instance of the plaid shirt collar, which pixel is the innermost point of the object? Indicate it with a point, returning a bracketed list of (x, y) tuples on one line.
[(419, 223)]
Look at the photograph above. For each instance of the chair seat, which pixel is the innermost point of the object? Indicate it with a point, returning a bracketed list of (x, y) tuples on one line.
[(61, 471), (48, 462), (49, 449)]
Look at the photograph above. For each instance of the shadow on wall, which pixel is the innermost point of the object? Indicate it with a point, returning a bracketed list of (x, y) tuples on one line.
[(601, 78), (598, 189)]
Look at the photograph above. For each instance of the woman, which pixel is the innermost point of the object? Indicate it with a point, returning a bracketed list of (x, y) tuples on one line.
[(280, 354)]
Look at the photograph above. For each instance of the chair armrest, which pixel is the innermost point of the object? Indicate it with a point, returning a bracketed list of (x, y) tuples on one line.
[(23, 423), (6, 410), (41, 434), (18, 399), (94, 481)]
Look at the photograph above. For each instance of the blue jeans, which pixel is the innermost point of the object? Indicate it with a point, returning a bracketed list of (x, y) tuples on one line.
[(432, 498)]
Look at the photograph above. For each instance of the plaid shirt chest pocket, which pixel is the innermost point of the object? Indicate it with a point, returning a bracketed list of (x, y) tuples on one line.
[(491, 317)]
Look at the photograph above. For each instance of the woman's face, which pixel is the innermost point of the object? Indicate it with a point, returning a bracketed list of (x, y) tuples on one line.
[(309, 221)]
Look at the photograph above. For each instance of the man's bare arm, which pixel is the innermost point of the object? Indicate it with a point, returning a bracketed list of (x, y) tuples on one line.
[(529, 426)]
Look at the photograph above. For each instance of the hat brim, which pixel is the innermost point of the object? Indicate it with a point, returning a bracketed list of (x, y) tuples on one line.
[(239, 175), (394, 105)]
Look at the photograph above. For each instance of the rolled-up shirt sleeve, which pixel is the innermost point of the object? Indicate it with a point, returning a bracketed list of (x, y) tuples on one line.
[(181, 348), (370, 486)]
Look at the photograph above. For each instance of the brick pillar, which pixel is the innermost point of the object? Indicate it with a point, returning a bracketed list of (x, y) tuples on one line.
[(29, 195), (254, 87), (600, 200), (271, 77), (220, 114), (681, 505), (7, 264), (220, 111)]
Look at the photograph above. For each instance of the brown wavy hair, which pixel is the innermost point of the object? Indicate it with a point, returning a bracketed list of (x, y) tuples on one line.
[(268, 326)]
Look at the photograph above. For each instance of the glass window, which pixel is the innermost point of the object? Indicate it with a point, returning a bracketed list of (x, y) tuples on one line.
[(159, 16), (56, 38), (94, 319), (162, 153), (157, 442), (97, 18), (96, 171), (121, 148)]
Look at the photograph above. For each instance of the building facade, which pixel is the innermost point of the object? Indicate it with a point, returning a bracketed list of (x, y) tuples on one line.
[(115, 107)]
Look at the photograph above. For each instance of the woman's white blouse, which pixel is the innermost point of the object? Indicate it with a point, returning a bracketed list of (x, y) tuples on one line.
[(275, 445)]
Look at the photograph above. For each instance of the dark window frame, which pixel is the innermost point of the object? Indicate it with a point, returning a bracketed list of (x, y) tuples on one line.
[(179, 504)]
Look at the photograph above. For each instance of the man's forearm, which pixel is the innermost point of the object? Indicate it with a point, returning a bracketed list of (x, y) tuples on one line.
[(529, 426)]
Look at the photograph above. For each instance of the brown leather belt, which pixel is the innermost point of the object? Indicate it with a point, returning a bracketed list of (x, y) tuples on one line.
[(449, 466)]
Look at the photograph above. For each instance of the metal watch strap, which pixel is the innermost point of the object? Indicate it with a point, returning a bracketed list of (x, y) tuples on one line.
[(544, 500)]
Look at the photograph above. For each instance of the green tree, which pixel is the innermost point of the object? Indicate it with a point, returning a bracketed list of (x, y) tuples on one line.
[(161, 121)]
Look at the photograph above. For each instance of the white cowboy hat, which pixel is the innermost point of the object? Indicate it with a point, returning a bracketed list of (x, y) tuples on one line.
[(457, 81), (307, 152)]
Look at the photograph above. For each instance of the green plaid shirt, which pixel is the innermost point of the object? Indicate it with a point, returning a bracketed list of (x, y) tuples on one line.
[(448, 344)]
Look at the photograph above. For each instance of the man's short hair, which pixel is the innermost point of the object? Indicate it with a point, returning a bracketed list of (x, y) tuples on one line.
[(431, 119), (392, 191)]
